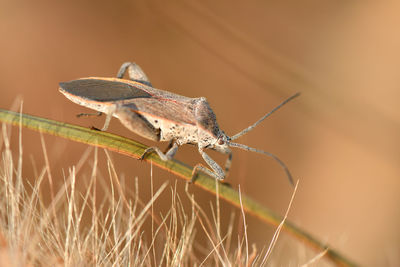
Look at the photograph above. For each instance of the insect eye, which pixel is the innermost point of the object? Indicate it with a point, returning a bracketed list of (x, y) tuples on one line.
[(221, 142)]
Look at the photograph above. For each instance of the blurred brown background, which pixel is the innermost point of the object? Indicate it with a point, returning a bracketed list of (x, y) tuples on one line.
[(340, 138)]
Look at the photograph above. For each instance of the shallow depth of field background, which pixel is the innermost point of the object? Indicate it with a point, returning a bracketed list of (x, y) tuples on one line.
[(340, 138)]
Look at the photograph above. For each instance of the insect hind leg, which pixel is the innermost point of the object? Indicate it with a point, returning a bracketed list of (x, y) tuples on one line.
[(135, 73), (98, 114)]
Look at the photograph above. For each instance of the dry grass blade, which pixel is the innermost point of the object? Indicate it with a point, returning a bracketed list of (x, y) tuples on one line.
[(244, 226), (278, 229), (315, 259)]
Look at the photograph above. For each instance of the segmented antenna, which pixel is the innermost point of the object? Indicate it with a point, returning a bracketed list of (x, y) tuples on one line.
[(248, 129), (280, 162)]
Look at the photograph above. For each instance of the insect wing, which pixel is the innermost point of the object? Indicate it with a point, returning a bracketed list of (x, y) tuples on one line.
[(162, 109), (102, 90), (98, 93)]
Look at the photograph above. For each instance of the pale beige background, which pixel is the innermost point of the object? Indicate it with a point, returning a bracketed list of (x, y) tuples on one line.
[(340, 138)]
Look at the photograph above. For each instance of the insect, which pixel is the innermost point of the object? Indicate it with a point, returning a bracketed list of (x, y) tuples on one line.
[(161, 116)]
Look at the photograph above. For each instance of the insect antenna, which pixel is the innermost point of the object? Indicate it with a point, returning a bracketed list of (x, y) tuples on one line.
[(248, 129), (280, 162)]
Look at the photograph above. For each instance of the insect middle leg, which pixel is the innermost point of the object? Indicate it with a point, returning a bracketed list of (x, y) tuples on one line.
[(164, 156), (135, 73)]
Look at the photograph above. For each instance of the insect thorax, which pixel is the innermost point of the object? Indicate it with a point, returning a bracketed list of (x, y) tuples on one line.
[(169, 130)]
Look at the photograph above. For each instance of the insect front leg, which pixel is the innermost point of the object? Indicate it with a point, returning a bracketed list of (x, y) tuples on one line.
[(135, 73), (217, 172), (167, 156), (228, 163)]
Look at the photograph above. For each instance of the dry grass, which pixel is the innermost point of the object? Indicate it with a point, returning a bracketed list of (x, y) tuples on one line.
[(82, 229)]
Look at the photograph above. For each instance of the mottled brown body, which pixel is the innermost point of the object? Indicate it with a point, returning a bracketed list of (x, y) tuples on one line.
[(158, 115), (152, 113)]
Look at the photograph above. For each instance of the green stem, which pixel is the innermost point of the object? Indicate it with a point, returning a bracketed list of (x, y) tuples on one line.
[(134, 149)]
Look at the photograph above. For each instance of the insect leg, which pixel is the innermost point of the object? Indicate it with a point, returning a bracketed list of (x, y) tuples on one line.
[(137, 123), (135, 73), (167, 156), (170, 144), (228, 163), (89, 114), (217, 172), (109, 113)]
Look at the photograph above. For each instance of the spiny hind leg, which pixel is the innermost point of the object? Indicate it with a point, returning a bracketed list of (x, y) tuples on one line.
[(137, 124), (98, 114), (135, 73)]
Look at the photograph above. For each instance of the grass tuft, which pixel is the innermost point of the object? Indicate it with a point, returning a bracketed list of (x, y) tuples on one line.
[(81, 229)]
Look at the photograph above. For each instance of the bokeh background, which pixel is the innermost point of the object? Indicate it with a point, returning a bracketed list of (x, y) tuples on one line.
[(340, 138)]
